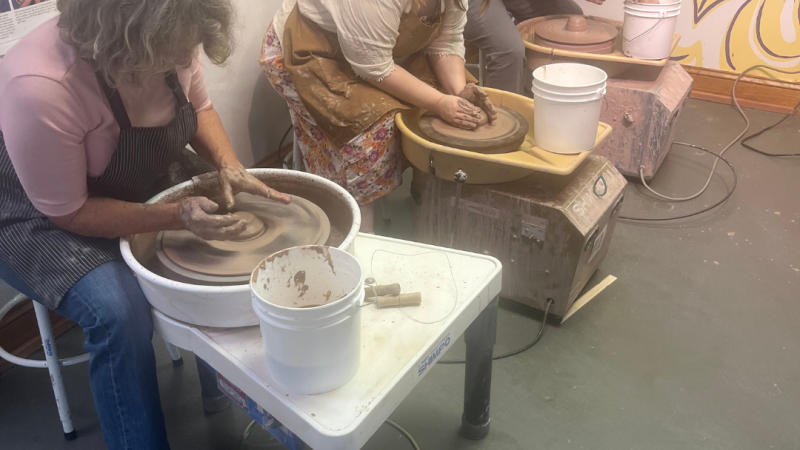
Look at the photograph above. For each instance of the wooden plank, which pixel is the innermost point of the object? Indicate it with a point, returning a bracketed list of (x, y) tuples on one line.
[(752, 92), (588, 296)]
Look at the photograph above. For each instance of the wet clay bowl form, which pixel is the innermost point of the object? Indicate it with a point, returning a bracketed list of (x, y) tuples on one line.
[(230, 306), (614, 63)]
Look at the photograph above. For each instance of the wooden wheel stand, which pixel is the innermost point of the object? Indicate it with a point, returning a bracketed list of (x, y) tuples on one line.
[(548, 217), (644, 98)]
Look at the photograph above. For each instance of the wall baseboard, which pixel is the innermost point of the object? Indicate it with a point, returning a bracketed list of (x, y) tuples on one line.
[(752, 92), (19, 332)]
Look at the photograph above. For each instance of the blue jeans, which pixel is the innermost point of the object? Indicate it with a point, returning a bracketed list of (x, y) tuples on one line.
[(113, 312), (493, 32)]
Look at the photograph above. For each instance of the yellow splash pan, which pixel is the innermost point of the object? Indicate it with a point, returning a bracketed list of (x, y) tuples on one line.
[(613, 63), (444, 161)]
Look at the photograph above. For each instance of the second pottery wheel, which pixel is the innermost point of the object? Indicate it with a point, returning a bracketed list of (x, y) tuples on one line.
[(576, 33), (505, 134), (271, 227)]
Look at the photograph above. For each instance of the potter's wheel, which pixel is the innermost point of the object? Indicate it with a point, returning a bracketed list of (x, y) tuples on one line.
[(271, 227), (503, 135), (576, 33)]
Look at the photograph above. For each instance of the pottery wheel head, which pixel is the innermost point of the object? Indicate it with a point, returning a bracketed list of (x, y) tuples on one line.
[(576, 30), (255, 226), (505, 134), (271, 227)]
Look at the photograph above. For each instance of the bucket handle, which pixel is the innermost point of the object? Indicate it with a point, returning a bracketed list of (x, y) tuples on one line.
[(661, 16), (369, 282)]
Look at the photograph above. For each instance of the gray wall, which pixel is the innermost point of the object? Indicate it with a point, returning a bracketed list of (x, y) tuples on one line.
[(254, 115)]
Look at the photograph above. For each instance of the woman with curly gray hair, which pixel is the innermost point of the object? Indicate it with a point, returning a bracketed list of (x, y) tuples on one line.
[(96, 109)]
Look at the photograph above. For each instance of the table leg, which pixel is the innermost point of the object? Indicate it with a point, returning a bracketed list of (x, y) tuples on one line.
[(213, 399), (480, 338)]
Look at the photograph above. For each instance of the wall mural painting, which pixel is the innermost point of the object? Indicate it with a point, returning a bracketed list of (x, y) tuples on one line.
[(734, 35)]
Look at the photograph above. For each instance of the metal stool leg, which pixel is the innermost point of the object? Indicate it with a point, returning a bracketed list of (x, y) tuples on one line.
[(175, 354), (384, 204), (297, 156), (481, 68), (54, 367)]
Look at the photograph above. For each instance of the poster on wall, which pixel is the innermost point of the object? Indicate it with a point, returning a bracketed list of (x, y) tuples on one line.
[(19, 17)]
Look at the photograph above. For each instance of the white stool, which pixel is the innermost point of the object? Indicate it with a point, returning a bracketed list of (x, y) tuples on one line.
[(53, 364)]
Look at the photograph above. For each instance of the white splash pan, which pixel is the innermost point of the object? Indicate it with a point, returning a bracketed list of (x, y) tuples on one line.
[(230, 306)]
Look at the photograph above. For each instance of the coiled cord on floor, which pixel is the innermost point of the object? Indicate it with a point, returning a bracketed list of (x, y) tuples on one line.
[(696, 213), (525, 347), (720, 156), (753, 136)]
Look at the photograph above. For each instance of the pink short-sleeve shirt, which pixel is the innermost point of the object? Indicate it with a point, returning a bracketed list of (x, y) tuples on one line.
[(57, 125)]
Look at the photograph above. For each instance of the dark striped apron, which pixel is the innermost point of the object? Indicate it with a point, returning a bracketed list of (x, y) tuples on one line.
[(146, 160)]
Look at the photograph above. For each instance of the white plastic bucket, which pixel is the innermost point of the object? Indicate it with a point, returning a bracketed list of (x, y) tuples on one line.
[(308, 302), (567, 101), (648, 29)]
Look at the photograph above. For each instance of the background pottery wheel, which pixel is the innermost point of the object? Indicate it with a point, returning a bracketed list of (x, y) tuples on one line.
[(271, 227), (576, 33), (504, 135)]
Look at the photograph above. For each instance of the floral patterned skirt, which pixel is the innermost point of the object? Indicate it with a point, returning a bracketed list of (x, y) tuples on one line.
[(368, 167)]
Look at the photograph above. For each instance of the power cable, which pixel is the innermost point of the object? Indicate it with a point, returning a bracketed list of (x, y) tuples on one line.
[(753, 136), (404, 433), (525, 347), (704, 210), (720, 156)]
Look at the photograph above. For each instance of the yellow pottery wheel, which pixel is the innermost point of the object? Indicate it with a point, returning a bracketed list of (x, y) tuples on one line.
[(444, 161)]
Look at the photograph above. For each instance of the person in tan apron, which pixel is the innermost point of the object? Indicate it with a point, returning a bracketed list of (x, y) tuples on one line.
[(345, 67)]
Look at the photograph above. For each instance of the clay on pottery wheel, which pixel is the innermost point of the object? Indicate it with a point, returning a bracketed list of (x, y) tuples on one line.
[(271, 227), (505, 134), (576, 33), (254, 226)]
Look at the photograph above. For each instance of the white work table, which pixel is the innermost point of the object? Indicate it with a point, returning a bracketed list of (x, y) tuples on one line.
[(396, 353)]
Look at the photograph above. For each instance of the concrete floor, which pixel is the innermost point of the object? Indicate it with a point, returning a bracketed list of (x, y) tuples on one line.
[(695, 346)]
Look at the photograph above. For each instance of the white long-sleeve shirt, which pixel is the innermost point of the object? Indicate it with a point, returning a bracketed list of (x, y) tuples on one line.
[(368, 29)]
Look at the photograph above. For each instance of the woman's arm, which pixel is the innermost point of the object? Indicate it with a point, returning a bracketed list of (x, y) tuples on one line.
[(450, 71), (109, 218), (410, 89), (212, 144)]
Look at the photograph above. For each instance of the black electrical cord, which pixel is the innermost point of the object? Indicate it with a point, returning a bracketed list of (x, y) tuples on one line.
[(280, 145), (525, 347), (704, 210), (753, 136)]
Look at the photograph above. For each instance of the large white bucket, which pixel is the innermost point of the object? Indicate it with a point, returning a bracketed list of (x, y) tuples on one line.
[(308, 301), (567, 101), (648, 29)]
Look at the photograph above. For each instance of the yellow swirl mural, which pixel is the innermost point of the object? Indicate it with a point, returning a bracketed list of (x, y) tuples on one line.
[(732, 35), (758, 34), (752, 32)]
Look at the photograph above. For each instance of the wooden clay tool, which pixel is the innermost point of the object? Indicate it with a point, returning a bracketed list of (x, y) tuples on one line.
[(383, 289), (388, 301)]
